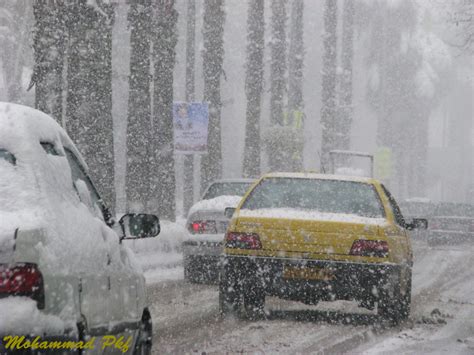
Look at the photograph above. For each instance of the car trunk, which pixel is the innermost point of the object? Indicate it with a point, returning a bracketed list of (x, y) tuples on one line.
[(308, 236)]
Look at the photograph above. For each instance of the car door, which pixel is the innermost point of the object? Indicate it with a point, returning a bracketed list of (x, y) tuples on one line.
[(95, 285)]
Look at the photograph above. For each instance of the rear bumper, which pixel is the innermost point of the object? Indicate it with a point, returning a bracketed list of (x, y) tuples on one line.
[(348, 281), (202, 248)]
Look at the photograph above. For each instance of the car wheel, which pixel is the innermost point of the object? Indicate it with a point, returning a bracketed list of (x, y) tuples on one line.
[(254, 302), (190, 274), (396, 308), (230, 298), (145, 334)]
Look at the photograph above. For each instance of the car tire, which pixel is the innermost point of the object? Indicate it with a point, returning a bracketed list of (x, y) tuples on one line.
[(230, 298), (254, 302), (396, 308), (145, 335)]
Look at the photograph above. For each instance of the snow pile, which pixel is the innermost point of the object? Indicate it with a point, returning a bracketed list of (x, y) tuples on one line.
[(160, 257), (21, 316), (219, 203), (291, 213)]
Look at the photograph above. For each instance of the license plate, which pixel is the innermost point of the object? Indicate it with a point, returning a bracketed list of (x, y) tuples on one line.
[(308, 273)]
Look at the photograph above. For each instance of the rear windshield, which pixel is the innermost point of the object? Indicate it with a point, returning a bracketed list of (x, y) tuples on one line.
[(455, 210), (328, 196), (226, 189)]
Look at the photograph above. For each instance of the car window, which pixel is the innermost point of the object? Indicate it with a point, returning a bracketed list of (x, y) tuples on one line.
[(83, 185), (49, 148), (6, 155), (328, 196), (226, 189), (397, 213)]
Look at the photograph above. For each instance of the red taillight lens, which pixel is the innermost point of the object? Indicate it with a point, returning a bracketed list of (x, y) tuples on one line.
[(362, 247), (434, 225), (203, 227), (22, 280), (242, 241)]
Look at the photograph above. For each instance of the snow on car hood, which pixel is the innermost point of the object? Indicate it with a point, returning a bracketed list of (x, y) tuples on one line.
[(216, 204), (290, 213)]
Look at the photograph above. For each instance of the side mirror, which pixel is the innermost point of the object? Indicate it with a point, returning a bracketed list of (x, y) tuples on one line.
[(417, 223), (141, 225), (229, 212)]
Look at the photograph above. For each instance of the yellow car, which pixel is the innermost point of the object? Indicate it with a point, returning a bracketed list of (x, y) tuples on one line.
[(309, 237)]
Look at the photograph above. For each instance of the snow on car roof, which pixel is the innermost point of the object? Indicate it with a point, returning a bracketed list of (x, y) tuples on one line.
[(219, 203), (308, 175), (22, 128)]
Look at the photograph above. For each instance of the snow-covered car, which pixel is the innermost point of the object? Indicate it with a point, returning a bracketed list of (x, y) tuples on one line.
[(451, 223), (206, 225), (64, 272), (314, 237)]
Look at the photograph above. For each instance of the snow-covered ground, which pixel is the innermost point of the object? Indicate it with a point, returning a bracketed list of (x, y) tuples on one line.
[(442, 318)]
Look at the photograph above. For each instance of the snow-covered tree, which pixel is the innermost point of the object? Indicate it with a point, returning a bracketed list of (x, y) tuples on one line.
[(15, 39), (188, 189), (405, 64), (330, 138), (213, 55), (254, 86), (461, 17), (162, 168), (139, 137), (89, 90)]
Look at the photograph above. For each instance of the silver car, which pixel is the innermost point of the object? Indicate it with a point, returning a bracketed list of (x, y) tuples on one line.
[(206, 225)]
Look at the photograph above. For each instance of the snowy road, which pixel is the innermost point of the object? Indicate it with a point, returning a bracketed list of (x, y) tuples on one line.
[(442, 318)]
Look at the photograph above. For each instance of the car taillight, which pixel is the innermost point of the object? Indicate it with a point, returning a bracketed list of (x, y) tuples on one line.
[(203, 227), (236, 240), (435, 225), (22, 280), (362, 247)]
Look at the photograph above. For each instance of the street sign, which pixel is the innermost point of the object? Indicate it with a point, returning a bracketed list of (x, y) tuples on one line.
[(190, 122)]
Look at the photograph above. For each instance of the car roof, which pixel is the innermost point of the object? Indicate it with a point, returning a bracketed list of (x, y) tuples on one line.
[(22, 128), (309, 175), (236, 180)]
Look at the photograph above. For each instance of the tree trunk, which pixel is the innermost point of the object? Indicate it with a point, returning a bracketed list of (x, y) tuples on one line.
[(345, 109), (278, 82), (328, 109), (254, 86), (163, 172), (49, 50), (188, 190), (89, 100), (213, 54), (295, 82), (139, 126)]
